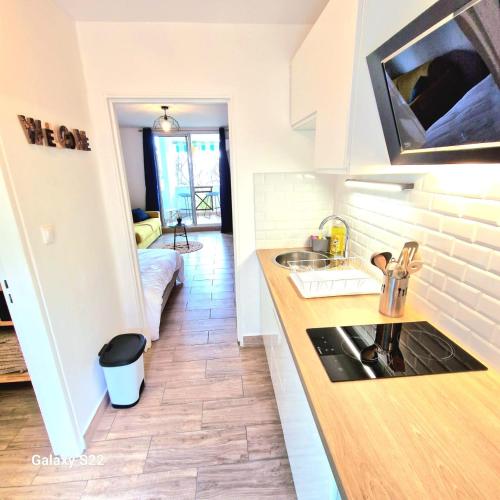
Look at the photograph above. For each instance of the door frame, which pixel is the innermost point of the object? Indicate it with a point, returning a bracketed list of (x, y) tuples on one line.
[(121, 176), (191, 179)]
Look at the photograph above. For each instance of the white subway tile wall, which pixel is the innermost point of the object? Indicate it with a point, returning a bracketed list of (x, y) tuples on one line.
[(289, 207), (455, 215)]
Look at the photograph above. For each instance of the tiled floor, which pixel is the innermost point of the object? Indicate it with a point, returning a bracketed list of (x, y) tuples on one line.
[(207, 425)]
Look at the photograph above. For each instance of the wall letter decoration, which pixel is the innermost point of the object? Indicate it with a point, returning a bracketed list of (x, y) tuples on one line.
[(49, 136), (55, 136), (33, 130)]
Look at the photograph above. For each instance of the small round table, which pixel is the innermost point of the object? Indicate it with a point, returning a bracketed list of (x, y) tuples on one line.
[(183, 233)]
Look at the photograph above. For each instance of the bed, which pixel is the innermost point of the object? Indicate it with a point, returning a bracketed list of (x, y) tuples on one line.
[(160, 270), (475, 118), (452, 100)]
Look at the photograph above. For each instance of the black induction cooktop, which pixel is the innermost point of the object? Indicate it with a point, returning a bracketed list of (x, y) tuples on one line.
[(367, 352)]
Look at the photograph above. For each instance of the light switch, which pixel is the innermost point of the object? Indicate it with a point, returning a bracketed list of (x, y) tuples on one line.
[(48, 233)]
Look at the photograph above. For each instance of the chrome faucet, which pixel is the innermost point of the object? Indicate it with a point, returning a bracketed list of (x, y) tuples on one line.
[(347, 231)]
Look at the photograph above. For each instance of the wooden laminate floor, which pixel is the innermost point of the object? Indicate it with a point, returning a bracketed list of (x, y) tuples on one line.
[(206, 427)]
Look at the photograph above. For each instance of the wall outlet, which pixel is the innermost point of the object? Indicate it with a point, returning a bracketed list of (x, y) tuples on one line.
[(48, 233)]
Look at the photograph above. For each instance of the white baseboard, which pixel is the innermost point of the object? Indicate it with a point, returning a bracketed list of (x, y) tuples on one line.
[(94, 424)]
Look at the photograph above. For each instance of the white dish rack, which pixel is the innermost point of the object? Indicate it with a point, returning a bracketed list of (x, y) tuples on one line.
[(331, 277)]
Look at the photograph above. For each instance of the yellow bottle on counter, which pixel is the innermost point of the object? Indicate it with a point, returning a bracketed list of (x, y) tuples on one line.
[(337, 241)]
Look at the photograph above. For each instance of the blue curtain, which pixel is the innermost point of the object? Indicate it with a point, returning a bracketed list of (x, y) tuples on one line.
[(226, 209), (150, 171)]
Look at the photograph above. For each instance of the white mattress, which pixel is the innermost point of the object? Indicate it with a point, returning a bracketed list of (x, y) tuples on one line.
[(157, 268), (474, 119)]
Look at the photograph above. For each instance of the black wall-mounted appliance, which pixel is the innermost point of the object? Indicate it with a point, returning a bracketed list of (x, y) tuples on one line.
[(437, 85)]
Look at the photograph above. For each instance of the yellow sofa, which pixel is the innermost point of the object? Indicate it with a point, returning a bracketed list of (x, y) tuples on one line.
[(147, 231)]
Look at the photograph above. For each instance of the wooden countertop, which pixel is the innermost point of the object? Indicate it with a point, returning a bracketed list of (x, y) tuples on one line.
[(435, 436)]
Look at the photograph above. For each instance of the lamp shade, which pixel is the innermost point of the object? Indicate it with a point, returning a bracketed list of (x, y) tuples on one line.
[(165, 123)]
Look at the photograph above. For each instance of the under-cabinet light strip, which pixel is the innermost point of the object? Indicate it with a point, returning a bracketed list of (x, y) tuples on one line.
[(379, 186)]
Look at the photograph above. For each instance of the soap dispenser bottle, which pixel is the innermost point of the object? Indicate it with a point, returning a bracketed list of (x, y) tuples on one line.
[(337, 238)]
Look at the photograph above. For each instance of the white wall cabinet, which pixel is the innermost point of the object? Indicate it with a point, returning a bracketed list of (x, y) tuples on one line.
[(312, 474), (321, 82), (304, 81)]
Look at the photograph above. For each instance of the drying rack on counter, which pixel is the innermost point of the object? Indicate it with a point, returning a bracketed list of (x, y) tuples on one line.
[(333, 276)]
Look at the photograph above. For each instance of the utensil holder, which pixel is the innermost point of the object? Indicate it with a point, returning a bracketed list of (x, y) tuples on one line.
[(393, 296), (320, 245)]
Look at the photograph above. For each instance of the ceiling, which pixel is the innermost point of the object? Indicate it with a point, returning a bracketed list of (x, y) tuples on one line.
[(189, 115), (196, 11)]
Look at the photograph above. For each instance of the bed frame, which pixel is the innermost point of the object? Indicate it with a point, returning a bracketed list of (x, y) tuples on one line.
[(168, 289)]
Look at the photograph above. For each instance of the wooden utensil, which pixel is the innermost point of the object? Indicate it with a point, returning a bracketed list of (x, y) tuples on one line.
[(412, 247), (406, 260), (400, 272), (414, 266), (380, 260)]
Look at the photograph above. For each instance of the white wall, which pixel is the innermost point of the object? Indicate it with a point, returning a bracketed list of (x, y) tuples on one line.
[(454, 214), (290, 207), (248, 63), (133, 158), (65, 294)]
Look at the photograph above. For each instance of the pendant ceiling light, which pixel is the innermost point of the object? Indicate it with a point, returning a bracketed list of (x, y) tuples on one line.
[(166, 123)]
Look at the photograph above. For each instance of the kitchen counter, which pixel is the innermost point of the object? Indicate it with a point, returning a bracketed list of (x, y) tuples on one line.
[(434, 436)]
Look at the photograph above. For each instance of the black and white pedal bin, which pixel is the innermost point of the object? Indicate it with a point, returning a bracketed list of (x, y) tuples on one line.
[(123, 365)]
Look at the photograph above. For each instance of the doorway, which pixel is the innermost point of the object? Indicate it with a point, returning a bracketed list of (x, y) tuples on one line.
[(197, 116), (189, 179)]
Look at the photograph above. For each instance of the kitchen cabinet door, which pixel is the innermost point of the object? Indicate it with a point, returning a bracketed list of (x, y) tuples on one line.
[(304, 82), (312, 474), (271, 334), (321, 82), (338, 23)]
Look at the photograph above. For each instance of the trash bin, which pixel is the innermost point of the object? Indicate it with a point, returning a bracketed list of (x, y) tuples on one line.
[(123, 365)]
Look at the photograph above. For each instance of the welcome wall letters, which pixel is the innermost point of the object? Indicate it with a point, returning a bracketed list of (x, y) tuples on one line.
[(55, 136)]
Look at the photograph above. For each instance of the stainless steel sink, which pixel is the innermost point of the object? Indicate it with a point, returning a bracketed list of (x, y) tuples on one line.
[(283, 259)]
